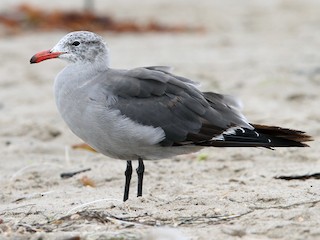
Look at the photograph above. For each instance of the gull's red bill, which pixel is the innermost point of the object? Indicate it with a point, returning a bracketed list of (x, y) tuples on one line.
[(44, 55)]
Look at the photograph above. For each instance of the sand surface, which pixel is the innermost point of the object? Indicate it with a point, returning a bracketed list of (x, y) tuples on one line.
[(265, 52)]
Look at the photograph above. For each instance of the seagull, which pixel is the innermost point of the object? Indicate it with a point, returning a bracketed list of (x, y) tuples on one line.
[(147, 113)]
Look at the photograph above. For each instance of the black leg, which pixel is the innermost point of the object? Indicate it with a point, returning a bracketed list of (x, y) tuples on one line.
[(140, 172), (128, 174)]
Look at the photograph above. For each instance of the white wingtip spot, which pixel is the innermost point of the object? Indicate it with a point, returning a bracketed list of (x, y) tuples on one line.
[(218, 138), (229, 131)]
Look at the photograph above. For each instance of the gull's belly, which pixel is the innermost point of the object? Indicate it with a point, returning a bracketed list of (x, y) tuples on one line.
[(107, 131)]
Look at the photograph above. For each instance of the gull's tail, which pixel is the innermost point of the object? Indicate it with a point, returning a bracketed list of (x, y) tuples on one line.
[(261, 136)]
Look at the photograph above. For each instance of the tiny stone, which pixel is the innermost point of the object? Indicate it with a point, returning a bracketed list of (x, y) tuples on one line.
[(74, 216)]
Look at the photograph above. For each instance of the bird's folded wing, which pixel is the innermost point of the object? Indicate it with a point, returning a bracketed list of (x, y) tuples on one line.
[(154, 97)]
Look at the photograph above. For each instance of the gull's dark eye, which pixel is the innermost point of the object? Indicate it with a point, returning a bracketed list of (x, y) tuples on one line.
[(76, 43)]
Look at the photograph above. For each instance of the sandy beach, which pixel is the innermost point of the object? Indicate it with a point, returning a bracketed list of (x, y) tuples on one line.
[(265, 53)]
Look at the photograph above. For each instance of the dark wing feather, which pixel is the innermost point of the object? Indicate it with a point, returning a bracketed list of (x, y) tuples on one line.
[(154, 97)]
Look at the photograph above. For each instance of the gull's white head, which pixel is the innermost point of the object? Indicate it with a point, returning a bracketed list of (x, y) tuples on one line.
[(79, 47)]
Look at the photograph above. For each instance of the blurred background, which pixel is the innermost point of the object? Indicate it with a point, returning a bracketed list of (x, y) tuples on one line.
[(267, 53)]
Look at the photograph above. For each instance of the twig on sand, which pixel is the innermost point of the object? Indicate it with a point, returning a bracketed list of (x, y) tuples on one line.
[(71, 174), (11, 209), (34, 195), (299, 177), (312, 203), (148, 220), (26, 214), (28, 227), (90, 203)]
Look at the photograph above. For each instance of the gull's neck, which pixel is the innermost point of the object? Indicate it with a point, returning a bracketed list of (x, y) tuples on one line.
[(96, 66), (98, 63)]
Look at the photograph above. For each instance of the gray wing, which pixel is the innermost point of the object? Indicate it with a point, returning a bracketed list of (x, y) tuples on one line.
[(155, 97)]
